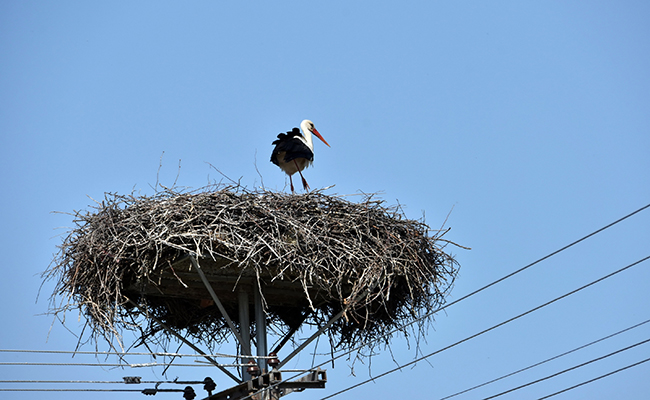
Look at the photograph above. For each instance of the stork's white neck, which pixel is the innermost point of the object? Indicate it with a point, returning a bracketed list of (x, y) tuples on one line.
[(306, 132)]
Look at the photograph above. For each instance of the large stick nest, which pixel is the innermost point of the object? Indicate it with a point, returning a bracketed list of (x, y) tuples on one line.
[(314, 255)]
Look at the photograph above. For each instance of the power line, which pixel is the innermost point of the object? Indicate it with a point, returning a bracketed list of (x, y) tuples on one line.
[(568, 369), (163, 354), (127, 380), (141, 365), (124, 381), (349, 351), (93, 382), (442, 308), (67, 390), (596, 378), (401, 327), (542, 259), (547, 360), (444, 398), (489, 329)]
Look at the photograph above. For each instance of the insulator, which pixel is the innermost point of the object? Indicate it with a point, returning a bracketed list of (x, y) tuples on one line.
[(188, 393), (274, 361), (132, 379), (253, 369), (209, 385)]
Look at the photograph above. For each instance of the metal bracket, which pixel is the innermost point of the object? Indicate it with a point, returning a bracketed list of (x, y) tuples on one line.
[(271, 386), (327, 325), (182, 339), (232, 327)]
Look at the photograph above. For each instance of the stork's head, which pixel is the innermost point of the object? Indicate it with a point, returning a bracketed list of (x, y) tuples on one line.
[(308, 126)]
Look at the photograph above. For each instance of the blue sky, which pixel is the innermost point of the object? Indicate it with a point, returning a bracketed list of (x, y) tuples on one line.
[(528, 119)]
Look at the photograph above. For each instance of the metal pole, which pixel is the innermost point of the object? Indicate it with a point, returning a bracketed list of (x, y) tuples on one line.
[(327, 325), (260, 325), (312, 337), (182, 339), (245, 330), (216, 299)]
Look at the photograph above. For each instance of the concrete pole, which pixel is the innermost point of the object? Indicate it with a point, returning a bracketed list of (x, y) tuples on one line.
[(260, 324), (245, 331)]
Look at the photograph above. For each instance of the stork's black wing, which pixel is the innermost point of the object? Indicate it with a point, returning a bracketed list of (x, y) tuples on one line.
[(292, 147)]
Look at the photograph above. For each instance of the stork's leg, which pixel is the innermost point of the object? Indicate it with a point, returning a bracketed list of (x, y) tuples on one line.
[(304, 181), (291, 182)]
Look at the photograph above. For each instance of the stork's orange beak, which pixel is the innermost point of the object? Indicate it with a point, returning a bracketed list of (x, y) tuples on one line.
[(321, 138)]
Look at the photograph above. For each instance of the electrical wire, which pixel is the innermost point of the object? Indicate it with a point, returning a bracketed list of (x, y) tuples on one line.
[(93, 382), (472, 293), (444, 398), (67, 390), (547, 360), (364, 344), (596, 378), (141, 365), (442, 308), (490, 329), (126, 380), (567, 370), (163, 354)]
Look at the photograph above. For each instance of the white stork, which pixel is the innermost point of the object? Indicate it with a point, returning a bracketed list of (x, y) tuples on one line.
[(294, 152)]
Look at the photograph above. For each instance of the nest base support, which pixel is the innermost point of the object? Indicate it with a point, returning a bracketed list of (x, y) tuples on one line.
[(216, 300), (244, 323), (327, 325), (185, 341), (311, 338), (260, 326), (270, 386)]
